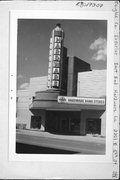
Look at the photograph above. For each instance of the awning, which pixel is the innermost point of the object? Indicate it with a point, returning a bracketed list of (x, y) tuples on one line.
[(54, 105)]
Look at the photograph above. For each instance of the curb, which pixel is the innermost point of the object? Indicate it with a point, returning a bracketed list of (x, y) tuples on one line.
[(65, 137)]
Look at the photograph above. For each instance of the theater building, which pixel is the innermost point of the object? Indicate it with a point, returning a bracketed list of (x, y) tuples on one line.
[(70, 100)]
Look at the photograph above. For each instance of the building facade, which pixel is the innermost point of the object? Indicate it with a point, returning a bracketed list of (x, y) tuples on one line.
[(70, 100)]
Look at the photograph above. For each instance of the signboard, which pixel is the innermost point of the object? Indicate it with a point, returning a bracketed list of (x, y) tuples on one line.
[(54, 61), (55, 49), (81, 100)]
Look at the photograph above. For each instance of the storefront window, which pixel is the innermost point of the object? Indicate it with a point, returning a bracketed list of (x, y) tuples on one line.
[(36, 122), (75, 125), (93, 126)]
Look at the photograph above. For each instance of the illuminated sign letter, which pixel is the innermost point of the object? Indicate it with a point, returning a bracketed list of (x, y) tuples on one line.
[(50, 58), (57, 39), (48, 83), (50, 63), (50, 47), (56, 64), (55, 83), (49, 70), (55, 76), (56, 70), (49, 77), (51, 40), (57, 51), (56, 58), (50, 52), (57, 45)]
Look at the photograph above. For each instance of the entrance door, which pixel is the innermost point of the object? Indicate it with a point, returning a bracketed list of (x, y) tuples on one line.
[(36, 122), (75, 125), (63, 122), (93, 126), (64, 125)]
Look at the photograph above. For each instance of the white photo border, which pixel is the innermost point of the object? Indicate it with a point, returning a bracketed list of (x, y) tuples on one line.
[(15, 15), (99, 161)]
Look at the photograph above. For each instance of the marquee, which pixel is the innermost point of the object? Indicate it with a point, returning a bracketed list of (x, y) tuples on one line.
[(81, 100)]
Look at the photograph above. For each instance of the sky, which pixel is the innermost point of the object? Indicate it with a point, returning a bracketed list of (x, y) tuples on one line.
[(85, 39)]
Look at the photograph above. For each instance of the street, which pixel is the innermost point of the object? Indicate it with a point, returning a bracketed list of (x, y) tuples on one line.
[(31, 149), (73, 146)]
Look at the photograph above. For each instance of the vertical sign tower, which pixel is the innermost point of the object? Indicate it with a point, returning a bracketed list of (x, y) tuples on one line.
[(55, 58)]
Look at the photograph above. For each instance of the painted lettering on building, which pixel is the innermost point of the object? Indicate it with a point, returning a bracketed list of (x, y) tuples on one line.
[(81, 100)]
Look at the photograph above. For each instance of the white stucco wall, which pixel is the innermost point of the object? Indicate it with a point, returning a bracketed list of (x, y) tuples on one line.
[(24, 99), (22, 112), (37, 84), (92, 83)]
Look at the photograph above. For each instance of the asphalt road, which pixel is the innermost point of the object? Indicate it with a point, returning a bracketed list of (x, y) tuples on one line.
[(61, 144), (31, 149)]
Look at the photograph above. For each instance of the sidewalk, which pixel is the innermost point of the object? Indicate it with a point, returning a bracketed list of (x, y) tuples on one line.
[(88, 138)]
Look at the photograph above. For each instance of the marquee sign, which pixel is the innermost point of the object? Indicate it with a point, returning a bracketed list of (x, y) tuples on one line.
[(81, 100), (55, 58)]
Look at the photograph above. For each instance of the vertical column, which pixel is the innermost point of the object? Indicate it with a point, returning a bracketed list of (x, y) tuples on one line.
[(55, 56), (103, 124), (83, 123), (69, 124), (70, 76), (43, 118)]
